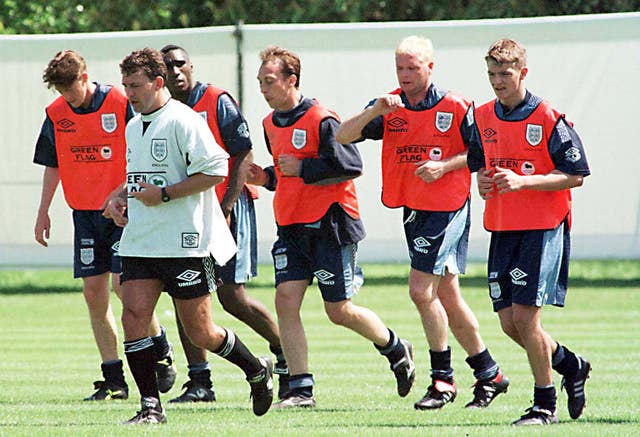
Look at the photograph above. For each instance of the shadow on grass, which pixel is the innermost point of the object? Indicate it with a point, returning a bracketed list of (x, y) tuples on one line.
[(466, 281), (37, 289), (481, 281)]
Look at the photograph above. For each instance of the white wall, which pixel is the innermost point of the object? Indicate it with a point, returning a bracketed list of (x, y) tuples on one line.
[(587, 66)]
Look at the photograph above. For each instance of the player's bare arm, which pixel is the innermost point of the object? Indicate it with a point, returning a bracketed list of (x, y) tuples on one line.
[(42, 228), (237, 179), (430, 171), (351, 129), (151, 195), (507, 181)]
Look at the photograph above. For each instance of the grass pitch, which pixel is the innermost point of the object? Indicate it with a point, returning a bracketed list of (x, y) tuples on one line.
[(48, 361)]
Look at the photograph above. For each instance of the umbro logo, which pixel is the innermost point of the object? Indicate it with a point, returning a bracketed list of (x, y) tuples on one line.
[(421, 244), (397, 124), (517, 275), (65, 123), (188, 275), (188, 278), (324, 277), (488, 133)]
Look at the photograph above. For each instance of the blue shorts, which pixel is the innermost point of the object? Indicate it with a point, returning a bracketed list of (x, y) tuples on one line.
[(183, 278), (244, 265), (95, 245), (438, 241), (310, 254), (529, 267)]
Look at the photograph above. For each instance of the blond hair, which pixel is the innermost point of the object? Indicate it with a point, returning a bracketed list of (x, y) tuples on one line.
[(416, 45)]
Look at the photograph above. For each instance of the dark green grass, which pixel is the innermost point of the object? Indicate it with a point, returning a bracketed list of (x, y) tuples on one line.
[(48, 361)]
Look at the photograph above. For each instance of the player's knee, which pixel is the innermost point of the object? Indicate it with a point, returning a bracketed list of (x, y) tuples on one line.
[(133, 323), (510, 329), (421, 298), (201, 338), (286, 304), (339, 314), (524, 326), (231, 304), (338, 318)]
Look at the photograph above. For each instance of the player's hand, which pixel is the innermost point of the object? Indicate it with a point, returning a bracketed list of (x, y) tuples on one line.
[(485, 183), (507, 181), (116, 211), (289, 165), (42, 228), (256, 175), (387, 104), (119, 191), (149, 195), (429, 171)]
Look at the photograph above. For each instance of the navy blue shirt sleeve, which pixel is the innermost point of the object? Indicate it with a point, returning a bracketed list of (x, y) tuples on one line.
[(567, 151), (272, 179), (234, 129), (130, 113), (335, 162), (471, 137), (467, 126), (45, 153)]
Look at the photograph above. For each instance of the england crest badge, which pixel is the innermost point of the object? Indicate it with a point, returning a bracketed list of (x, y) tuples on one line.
[(280, 261), (86, 255), (299, 138), (109, 122), (534, 134), (443, 121), (159, 149)]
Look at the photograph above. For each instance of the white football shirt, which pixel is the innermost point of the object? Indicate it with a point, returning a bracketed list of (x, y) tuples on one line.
[(177, 143)]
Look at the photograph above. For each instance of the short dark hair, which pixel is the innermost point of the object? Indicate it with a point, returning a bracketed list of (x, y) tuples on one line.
[(148, 60), (171, 47), (65, 68)]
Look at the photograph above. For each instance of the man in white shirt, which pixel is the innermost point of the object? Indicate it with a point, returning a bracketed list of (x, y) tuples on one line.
[(175, 231)]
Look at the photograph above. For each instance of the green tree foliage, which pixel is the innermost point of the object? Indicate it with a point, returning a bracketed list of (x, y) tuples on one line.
[(69, 16)]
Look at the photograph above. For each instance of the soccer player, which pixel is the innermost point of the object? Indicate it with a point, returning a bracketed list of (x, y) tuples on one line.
[(82, 146), (424, 132), (174, 231), (231, 132), (528, 157), (318, 223)]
